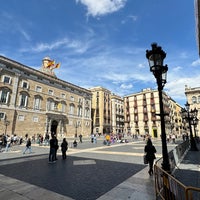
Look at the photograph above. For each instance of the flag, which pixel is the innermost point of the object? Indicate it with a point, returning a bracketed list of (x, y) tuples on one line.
[(57, 65), (51, 63)]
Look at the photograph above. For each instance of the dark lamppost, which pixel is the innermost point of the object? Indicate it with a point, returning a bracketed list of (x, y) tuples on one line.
[(194, 120), (190, 115), (6, 123), (76, 125), (155, 58)]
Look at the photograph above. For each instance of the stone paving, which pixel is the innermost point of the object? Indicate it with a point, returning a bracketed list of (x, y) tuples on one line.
[(98, 172)]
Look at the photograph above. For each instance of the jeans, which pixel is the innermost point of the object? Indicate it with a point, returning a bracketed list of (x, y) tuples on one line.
[(52, 155), (27, 148)]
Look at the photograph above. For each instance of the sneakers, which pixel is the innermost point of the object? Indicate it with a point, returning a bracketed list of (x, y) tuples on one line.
[(50, 162)]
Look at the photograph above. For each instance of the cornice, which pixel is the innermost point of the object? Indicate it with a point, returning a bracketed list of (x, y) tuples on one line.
[(24, 68)]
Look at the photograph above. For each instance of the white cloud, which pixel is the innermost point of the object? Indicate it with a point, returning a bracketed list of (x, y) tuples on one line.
[(196, 63), (124, 86), (176, 88), (176, 69), (130, 17), (102, 7), (25, 34), (76, 45)]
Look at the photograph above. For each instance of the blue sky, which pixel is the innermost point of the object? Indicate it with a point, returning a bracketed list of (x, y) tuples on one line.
[(104, 42)]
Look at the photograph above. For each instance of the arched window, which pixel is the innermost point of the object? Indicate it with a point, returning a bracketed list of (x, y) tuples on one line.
[(50, 104), (62, 106)]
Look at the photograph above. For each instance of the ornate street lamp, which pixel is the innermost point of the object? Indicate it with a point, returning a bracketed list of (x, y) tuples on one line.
[(190, 116), (156, 57)]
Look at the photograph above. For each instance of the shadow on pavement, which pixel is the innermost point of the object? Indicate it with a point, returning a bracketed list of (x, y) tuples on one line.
[(76, 177)]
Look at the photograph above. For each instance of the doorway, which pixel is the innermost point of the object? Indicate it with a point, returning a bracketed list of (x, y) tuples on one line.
[(54, 126)]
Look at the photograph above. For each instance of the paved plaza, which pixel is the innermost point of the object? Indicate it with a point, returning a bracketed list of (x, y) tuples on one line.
[(91, 171)]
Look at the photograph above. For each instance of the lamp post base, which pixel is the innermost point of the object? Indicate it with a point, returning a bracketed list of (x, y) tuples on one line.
[(166, 167), (193, 146)]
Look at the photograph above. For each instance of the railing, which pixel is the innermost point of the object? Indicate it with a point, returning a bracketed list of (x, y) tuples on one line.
[(168, 187)]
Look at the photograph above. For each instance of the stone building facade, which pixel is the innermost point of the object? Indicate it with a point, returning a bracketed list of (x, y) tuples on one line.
[(101, 110), (193, 98), (142, 114), (117, 104), (37, 102)]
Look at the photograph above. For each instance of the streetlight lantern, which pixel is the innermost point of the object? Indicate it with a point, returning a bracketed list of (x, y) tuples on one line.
[(191, 116), (156, 57)]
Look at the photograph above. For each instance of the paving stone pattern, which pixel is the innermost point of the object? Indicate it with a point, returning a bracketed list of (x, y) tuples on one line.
[(83, 181)]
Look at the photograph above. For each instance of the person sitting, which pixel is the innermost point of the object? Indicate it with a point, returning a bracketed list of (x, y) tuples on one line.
[(75, 143)]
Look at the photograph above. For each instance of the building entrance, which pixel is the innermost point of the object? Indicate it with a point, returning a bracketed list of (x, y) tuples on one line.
[(54, 126)]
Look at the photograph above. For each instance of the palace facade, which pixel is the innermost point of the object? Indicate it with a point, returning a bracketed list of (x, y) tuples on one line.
[(37, 102)]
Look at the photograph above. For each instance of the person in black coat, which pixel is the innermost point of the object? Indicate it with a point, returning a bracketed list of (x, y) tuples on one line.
[(64, 148), (150, 155), (52, 152)]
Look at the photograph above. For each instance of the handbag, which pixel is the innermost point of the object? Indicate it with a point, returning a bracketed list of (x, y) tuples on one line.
[(145, 159)]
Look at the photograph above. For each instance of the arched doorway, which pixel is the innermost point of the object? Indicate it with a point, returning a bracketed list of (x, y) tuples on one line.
[(54, 126)]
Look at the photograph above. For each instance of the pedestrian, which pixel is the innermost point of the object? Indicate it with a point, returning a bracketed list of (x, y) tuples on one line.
[(150, 151), (8, 143), (52, 150), (56, 147), (28, 146), (80, 138), (64, 148)]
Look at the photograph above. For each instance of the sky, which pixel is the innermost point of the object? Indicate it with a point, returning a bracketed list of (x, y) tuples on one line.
[(104, 42)]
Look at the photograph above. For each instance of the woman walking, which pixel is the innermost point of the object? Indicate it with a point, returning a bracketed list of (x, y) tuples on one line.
[(150, 155)]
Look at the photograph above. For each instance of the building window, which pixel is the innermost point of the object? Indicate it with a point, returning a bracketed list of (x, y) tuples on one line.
[(63, 96), (50, 92), (194, 99), (4, 96), (2, 116), (79, 111), (35, 119), (7, 79), (38, 89), (24, 84), (87, 112), (50, 104), (71, 109), (61, 106), (37, 103), (21, 117), (23, 100), (72, 98)]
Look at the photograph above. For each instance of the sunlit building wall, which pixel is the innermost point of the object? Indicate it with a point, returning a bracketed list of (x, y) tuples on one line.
[(37, 102)]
